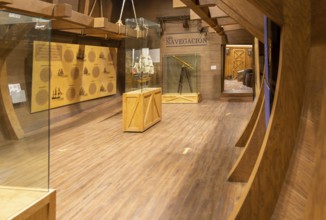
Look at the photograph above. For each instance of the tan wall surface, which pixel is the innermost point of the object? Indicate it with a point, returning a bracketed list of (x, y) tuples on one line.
[(210, 55)]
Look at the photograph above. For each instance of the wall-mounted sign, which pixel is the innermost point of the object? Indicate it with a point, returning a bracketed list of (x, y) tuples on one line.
[(181, 40)]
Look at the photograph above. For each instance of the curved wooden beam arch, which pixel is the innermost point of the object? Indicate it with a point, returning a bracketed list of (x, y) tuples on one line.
[(261, 193), (7, 110), (242, 169), (247, 133)]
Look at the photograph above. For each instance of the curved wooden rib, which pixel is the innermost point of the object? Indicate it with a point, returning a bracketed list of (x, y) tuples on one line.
[(243, 167), (297, 185), (316, 203), (7, 110), (264, 185), (305, 185), (244, 138)]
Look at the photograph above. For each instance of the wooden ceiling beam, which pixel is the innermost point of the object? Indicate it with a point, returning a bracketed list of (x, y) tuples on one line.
[(226, 21), (273, 9), (246, 15), (232, 27), (31, 7), (90, 33), (5, 1), (204, 14), (178, 4), (207, 3), (105, 25), (62, 10), (216, 12), (65, 14), (64, 25), (100, 26)]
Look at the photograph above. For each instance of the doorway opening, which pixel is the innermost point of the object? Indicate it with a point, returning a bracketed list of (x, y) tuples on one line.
[(238, 78)]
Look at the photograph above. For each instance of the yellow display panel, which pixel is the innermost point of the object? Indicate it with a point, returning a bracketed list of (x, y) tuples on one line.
[(76, 73)]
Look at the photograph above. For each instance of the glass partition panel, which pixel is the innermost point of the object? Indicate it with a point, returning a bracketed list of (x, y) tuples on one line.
[(24, 136), (181, 73), (143, 56)]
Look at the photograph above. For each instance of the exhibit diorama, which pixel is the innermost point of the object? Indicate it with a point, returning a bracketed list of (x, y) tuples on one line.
[(176, 109)]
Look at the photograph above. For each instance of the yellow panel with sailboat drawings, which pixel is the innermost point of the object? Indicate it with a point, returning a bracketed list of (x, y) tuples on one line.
[(77, 73)]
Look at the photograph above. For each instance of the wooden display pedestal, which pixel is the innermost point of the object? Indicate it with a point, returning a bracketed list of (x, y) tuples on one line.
[(141, 109), (26, 203), (181, 98)]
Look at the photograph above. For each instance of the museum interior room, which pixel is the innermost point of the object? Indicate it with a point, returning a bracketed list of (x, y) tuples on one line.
[(162, 109)]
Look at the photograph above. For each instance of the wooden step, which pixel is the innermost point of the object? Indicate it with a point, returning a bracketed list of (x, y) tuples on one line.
[(236, 96)]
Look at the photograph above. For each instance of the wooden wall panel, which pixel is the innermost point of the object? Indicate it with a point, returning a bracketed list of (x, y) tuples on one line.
[(316, 201), (241, 36), (316, 204), (296, 188), (264, 186), (271, 8), (210, 80), (303, 194), (318, 22)]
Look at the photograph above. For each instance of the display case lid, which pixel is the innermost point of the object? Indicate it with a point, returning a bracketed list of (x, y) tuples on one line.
[(142, 22)]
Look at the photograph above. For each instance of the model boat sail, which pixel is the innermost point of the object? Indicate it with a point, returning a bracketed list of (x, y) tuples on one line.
[(143, 69)]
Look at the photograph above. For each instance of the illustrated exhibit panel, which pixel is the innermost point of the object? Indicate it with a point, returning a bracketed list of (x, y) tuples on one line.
[(77, 73)]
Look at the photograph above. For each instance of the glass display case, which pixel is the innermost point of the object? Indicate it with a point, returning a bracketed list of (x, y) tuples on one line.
[(143, 56), (24, 136), (142, 97), (181, 78)]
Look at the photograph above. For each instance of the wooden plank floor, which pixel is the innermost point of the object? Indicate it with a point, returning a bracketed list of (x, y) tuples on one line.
[(175, 170)]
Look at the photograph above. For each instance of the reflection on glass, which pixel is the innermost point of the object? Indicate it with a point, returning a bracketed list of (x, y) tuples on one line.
[(24, 137), (143, 56), (181, 73)]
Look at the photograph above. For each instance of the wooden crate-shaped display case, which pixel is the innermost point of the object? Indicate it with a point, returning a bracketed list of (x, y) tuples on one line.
[(141, 109), (24, 136), (142, 100), (181, 78)]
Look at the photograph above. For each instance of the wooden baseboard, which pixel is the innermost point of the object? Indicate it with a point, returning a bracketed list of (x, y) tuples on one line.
[(181, 98)]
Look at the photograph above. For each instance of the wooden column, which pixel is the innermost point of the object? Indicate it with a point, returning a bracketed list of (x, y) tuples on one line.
[(258, 84)]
